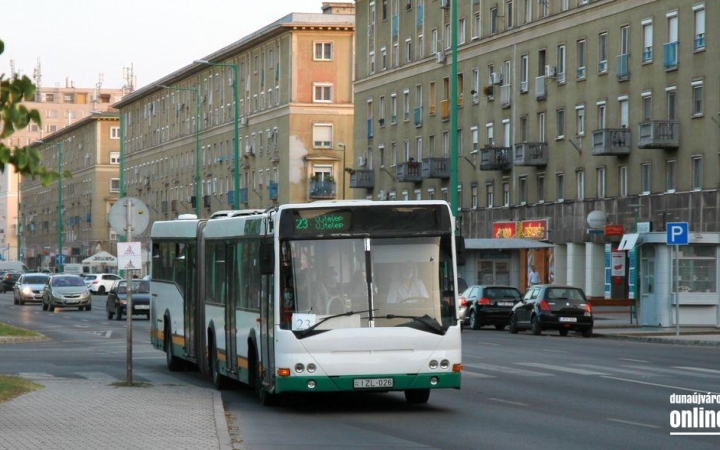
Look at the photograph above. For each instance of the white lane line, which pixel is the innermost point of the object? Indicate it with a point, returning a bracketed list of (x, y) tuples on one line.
[(499, 400), (469, 374), (698, 369), (633, 360), (562, 369), (554, 351), (508, 370), (490, 343), (614, 369), (633, 423), (673, 371), (656, 384)]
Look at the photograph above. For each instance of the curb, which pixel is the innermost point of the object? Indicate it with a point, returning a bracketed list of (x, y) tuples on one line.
[(221, 425), (21, 339), (659, 340)]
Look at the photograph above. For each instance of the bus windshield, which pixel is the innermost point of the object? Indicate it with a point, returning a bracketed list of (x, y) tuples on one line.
[(368, 282)]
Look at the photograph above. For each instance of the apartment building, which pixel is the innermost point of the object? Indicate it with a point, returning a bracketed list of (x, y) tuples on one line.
[(58, 108), (264, 121), (72, 213), (564, 108)]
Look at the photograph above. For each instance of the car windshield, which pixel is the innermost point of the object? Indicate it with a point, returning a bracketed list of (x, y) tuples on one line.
[(68, 281), (571, 295), (498, 293), (35, 280)]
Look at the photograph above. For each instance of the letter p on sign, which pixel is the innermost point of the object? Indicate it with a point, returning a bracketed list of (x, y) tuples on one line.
[(677, 233)]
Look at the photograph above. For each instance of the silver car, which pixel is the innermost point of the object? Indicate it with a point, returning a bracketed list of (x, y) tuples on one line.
[(29, 288), (66, 291)]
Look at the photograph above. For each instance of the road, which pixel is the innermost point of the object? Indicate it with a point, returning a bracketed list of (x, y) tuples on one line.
[(519, 390)]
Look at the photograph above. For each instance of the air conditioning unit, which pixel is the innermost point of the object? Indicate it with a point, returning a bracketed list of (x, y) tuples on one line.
[(243, 121), (249, 150), (496, 78), (444, 4), (440, 56), (362, 161), (550, 71)]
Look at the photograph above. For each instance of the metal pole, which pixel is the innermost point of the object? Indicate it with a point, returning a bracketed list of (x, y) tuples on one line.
[(677, 290), (60, 214), (128, 303), (453, 112)]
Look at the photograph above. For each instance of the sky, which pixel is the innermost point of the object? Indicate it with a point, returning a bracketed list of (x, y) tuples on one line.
[(78, 40)]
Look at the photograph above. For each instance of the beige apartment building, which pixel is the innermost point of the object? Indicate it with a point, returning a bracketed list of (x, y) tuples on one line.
[(59, 107), (290, 84), (564, 108), (72, 213)]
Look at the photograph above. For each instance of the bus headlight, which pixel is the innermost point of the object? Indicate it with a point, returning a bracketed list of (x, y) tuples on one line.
[(444, 364), (311, 368), (311, 384), (433, 364), (433, 381), (299, 368)]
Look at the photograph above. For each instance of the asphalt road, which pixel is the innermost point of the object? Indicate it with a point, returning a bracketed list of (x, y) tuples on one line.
[(518, 390)]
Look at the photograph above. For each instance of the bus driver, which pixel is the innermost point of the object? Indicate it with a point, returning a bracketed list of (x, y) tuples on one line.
[(406, 284)]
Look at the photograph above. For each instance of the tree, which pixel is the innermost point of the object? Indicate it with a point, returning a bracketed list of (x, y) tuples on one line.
[(15, 116)]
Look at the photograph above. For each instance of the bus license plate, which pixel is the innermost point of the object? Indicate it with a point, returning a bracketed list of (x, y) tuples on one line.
[(371, 383), (138, 307), (568, 319)]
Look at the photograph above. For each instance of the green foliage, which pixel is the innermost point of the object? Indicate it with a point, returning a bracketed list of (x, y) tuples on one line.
[(15, 116)]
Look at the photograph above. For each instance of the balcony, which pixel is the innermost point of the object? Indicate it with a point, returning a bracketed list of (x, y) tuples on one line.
[(418, 116), (409, 171), (445, 109), (273, 191), (662, 134), (495, 158), (531, 154), (322, 189), (670, 55), (540, 88), (622, 71), (436, 168), (505, 95), (362, 179), (611, 141)]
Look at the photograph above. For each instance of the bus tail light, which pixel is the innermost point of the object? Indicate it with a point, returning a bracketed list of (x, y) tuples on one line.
[(283, 372)]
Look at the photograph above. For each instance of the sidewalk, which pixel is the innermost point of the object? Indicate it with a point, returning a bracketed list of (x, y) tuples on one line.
[(81, 414)]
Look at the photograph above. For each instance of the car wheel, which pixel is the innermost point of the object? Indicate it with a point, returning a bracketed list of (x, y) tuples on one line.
[(15, 301), (417, 396), (101, 290), (88, 308), (474, 322), (51, 308), (513, 324), (535, 326), (499, 327), (563, 331), (44, 306), (588, 332), (109, 314)]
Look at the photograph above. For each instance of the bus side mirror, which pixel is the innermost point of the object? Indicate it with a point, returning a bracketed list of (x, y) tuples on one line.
[(460, 250), (267, 259)]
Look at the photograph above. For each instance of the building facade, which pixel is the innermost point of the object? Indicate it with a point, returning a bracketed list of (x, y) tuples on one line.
[(72, 213), (261, 122), (564, 107), (58, 108)]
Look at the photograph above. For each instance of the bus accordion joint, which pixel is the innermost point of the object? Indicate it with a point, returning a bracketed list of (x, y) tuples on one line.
[(457, 367)]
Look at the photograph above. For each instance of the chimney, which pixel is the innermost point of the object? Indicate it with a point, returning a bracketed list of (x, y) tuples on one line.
[(338, 8)]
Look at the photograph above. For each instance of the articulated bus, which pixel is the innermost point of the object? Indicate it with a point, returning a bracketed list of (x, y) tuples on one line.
[(332, 296)]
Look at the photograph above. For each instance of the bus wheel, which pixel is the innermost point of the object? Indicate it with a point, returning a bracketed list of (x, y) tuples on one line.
[(218, 379), (173, 362), (417, 396)]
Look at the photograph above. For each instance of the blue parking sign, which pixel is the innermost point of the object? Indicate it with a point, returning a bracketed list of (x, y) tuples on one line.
[(677, 233)]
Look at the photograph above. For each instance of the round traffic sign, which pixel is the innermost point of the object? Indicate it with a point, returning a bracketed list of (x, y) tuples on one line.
[(135, 222)]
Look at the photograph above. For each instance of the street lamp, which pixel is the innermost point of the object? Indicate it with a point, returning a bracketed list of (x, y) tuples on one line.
[(340, 144), (197, 142), (236, 144)]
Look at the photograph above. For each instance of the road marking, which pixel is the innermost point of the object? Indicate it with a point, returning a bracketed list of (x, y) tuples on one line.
[(554, 351), (97, 376), (508, 402), (508, 370), (614, 369), (698, 369), (469, 374), (562, 369), (35, 375), (633, 360), (656, 384), (633, 423), (674, 372)]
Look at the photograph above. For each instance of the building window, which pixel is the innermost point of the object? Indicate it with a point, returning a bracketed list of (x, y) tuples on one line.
[(670, 166), (476, 26), (493, 20), (697, 169), (323, 51), (322, 135), (506, 193), (560, 63), (461, 31), (560, 123), (383, 58), (524, 73), (522, 190), (581, 59), (600, 181), (114, 157), (408, 50), (475, 134), (647, 54), (560, 180), (580, 176), (697, 268), (646, 106), (528, 10), (699, 11), (541, 127), (541, 188), (645, 172), (114, 132), (322, 93), (509, 14), (489, 195), (671, 103), (580, 120), (114, 184), (474, 196), (393, 108), (697, 98), (543, 8), (623, 181), (602, 53)]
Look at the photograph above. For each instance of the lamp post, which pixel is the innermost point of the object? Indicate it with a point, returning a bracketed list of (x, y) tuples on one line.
[(636, 208), (236, 144), (197, 142), (340, 144), (60, 261), (19, 223)]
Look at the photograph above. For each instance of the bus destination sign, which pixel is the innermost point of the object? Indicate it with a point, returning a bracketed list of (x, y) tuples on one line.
[(321, 221)]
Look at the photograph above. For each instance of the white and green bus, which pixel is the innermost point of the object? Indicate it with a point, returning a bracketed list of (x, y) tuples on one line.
[(321, 297)]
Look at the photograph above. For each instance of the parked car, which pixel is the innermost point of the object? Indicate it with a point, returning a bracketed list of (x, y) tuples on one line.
[(100, 283), (116, 303), (29, 288), (553, 307), (8, 281), (482, 305), (66, 290)]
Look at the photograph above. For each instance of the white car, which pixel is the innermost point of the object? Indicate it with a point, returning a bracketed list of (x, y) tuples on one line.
[(100, 283)]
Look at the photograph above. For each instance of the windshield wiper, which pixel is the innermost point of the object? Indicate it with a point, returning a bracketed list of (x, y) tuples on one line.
[(426, 320), (306, 331)]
